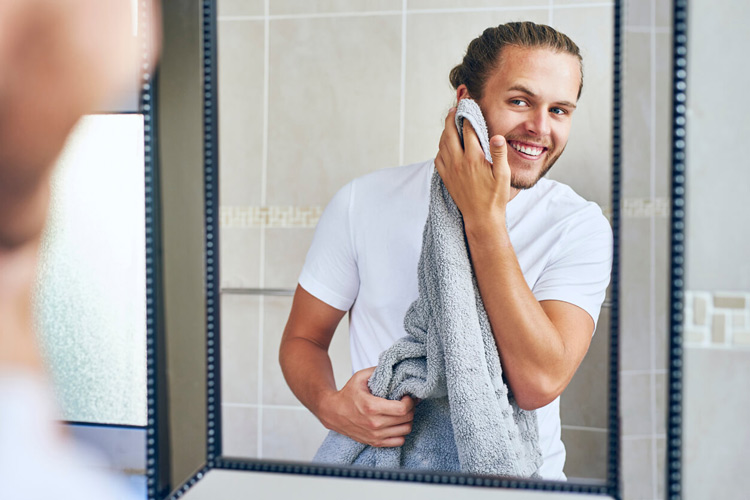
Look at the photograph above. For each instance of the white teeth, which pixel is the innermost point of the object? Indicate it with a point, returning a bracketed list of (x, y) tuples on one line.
[(529, 150)]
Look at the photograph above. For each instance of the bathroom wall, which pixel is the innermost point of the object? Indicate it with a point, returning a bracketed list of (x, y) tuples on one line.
[(644, 244), (717, 270)]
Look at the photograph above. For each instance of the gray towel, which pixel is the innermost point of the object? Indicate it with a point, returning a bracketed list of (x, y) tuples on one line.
[(467, 421)]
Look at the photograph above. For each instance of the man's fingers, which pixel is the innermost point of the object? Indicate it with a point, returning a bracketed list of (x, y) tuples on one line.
[(387, 407), (409, 402), (471, 140), (391, 442), (498, 151), (450, 139), (394, 436)]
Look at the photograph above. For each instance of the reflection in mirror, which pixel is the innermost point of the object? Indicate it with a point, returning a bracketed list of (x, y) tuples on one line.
[(312, 97), (717, 269)]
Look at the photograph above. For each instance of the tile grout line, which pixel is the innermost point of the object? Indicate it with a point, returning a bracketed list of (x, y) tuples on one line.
[(551, 13), (652, 228), (261, 326), (266, 92), (660, 371), (263, 202), (639, 437), (402, 83), (634, 28)]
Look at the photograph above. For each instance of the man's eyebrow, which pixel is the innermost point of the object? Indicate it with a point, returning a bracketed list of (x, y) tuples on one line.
[(527, 91)]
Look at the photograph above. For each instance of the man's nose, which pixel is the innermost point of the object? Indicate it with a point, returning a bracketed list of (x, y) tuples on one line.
[(538, 122)]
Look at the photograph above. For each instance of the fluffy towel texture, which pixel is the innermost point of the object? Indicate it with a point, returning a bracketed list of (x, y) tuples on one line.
[(467, 421)]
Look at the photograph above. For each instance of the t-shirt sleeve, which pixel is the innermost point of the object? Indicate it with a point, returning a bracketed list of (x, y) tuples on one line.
[(579, 270), (330, 270)]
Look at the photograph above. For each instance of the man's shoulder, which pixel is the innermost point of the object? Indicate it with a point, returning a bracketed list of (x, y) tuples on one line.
[(558, 200), (390, 175), (561, 195), (411, 179)]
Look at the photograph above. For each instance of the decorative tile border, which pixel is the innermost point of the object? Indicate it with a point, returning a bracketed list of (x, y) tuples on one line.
[(308, 216), (644, 207), (273, 217), (717, 319)]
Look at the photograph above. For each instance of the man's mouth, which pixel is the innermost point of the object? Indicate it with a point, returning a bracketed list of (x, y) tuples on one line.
[(528, 150)]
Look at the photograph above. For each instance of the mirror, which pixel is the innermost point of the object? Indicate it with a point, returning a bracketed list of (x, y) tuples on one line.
[(260, 227), (314, 94), (716, 285)]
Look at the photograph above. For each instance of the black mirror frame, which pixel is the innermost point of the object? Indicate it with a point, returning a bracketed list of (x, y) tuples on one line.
[(673, 471), (158, 442)]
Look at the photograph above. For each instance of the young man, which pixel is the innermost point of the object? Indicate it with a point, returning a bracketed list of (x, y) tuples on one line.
[(541, 254)]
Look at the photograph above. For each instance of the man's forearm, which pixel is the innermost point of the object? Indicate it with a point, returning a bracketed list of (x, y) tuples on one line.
[(308, 372), (532, 350)]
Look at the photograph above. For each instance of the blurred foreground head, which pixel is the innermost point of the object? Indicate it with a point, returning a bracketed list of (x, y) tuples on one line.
[(59, 60)]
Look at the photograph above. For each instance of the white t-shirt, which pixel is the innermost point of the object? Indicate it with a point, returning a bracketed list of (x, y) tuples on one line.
[(366, 248)]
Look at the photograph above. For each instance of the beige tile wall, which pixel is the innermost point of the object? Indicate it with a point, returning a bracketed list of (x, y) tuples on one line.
[(715, 432), (327, 90), (716, 402), (645, 245)]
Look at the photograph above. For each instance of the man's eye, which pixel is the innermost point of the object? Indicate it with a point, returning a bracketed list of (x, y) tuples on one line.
[(558, 111), (518, 102)]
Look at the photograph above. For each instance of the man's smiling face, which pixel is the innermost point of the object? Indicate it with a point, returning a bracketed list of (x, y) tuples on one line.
[(529, 99)]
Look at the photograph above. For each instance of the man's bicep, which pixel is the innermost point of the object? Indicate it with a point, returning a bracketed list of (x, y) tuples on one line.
[(580, 273), (311, 319), (575, 325)]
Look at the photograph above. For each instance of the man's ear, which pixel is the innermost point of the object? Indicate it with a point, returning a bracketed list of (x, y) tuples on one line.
[(462, 92)]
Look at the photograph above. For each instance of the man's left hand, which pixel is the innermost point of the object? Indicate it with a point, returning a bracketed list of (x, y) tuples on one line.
[(481, 190)]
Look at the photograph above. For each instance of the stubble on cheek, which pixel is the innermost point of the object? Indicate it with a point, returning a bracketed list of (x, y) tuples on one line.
[(523, 182)]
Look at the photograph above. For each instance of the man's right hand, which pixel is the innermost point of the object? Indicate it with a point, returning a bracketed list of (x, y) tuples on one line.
[(355, 412)]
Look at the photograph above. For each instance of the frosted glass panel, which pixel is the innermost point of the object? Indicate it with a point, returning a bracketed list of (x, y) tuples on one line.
[(90, 297)]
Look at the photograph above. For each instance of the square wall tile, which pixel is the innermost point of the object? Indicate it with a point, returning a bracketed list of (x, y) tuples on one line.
[(660, 411), (661, 456), (227, 8), (586, 454), (301, 7), (275, 315), (239, 431), (586, 165), (661, 299), (239, 251), (239, 348), (637, 124), (275, 389), (585, 401), (334, 104), (291, 434), (716, 405), (664, 14), (240, 75), (635, 291), (635, 404), (663, 131), (435, 43), (637, 474), (286, 249), (638, 13)]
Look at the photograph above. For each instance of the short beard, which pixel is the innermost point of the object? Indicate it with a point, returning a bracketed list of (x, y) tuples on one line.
[(519, 184)]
